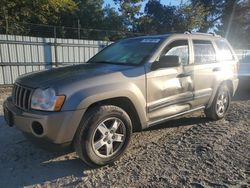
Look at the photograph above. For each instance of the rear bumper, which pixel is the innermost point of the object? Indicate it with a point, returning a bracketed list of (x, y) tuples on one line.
[(57, 127), (244, 81), (235, 85)]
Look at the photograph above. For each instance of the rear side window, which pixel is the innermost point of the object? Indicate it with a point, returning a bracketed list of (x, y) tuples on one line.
[(224, 53), (203, 52), (178, 48)]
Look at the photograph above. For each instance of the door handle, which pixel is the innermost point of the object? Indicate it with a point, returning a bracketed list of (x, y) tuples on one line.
[(182, 75), (216, 69)]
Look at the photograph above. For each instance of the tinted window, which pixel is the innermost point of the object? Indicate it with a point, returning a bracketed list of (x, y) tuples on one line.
[(178, 48), (129, 51), (203, 52), (224, 51)]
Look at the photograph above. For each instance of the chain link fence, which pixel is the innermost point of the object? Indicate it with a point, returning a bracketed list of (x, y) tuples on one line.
[(26, 47), (50, 31)]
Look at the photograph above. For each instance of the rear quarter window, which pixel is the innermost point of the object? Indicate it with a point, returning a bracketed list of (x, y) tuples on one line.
[(224, 53)]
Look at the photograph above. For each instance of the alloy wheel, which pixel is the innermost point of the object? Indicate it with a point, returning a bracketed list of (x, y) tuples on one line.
[(222, 103), (109, 137)]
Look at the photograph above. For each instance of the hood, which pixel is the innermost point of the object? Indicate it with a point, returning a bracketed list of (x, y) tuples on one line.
[(63, 75)]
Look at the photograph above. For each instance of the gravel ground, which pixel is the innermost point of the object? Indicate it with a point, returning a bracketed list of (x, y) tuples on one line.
[(188, 152)]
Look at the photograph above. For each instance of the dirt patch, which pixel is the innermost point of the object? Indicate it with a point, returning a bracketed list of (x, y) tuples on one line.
[(191, 151)]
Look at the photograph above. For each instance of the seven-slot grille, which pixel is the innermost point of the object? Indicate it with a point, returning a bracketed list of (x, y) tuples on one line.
[(21, 96)]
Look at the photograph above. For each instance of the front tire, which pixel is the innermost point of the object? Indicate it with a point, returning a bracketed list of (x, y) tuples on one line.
[(103, 135), (220, 104)]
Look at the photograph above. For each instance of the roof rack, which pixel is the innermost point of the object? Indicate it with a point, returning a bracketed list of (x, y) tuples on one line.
[(187, 32), (199, 33), (214, 34)]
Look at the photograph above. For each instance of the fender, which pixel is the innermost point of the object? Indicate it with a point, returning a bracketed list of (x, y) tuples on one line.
[(224, 76), (86, 97)]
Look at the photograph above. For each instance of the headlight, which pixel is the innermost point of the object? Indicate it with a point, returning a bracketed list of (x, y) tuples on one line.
[(46, 100)]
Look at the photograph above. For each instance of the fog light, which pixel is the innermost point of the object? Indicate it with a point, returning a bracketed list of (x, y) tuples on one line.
[(37, 128)]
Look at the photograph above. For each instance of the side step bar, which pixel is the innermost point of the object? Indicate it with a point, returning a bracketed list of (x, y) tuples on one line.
[(152, 123)]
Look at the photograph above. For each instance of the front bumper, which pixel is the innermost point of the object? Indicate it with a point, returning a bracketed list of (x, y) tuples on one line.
[(58, 127)]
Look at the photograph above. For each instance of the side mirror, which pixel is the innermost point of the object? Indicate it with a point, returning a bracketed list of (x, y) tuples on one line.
[(166, 62)]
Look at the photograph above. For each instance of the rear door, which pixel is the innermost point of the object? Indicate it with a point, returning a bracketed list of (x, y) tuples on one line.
[(203, 68)]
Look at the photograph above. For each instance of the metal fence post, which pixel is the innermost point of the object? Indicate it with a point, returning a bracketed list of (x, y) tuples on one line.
[(47, 54), (6, 25), (55, 47), (79, 29)]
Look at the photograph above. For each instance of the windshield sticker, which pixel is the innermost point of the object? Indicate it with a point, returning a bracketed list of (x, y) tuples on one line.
[(150, 40)]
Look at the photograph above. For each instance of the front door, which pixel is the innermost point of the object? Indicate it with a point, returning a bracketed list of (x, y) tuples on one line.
[(169, 90)]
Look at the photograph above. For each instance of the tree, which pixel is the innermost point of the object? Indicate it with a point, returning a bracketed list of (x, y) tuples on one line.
[(235, 23), (209, 12), (160, 18), (89, 13), (130, 11), (230, 18), (113, 21), (193, 17), (13, 14)]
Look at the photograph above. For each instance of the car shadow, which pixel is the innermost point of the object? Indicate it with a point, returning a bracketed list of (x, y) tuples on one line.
[(242, 94), (24, 164), (27, 164)]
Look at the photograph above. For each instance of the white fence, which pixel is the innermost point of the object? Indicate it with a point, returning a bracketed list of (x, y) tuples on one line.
[(243, 55), (20, 54)]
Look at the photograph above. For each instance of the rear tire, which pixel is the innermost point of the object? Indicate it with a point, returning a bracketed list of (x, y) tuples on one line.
[(103, 135), (220, 104)]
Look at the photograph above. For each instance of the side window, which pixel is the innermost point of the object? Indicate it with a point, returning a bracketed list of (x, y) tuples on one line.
[(225, 53), (203, 52), (178, 48)]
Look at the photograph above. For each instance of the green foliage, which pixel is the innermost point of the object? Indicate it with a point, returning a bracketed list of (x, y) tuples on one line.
[(160, 18), (130, 11), (193, 17), (208, 13), (230, 18), (113, 21), (89, 13), (16, 12), (235, 23)]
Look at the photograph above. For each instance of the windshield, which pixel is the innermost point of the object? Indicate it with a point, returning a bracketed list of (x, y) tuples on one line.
[(130, 51)]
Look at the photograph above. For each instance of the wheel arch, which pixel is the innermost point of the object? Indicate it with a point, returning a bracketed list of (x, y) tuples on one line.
[(126, 104), (229, 84)]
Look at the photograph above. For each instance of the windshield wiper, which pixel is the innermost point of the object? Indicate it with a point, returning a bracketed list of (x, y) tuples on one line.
[(112, 62), (108, 62)]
